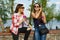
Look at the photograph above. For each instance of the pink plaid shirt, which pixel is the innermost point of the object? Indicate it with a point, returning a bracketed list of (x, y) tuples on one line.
[(16, 18)]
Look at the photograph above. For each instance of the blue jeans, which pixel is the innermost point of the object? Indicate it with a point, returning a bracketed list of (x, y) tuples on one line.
[(38, 36)]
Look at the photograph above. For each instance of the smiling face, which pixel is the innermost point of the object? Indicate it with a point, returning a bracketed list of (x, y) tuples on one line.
[(36, 7)]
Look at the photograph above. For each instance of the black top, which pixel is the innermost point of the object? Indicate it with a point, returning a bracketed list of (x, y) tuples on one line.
[(37, 22)]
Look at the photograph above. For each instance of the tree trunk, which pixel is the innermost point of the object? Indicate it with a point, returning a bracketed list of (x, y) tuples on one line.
[(1, 24), (31, 11), (12, 4)]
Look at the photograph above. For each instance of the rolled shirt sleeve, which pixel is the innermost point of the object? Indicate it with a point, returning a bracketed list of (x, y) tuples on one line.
[(15, 20)]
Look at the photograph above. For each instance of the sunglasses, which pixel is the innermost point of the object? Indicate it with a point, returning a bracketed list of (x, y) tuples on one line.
[(22, 7), (36, 6)]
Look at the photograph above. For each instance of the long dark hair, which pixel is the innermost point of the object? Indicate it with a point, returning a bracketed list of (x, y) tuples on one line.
[(17, 7)]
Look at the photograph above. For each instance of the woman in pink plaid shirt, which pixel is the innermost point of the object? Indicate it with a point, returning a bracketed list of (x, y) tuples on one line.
[(17, 20)]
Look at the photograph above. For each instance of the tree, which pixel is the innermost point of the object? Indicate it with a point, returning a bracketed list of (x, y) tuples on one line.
[(1, 25), (43, 3), (3, 13), (6, 7), (50, 12), (31, 11), (12, 4), (57, 15)]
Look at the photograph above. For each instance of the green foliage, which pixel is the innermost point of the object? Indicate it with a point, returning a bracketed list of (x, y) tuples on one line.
[(3, 14), (57, 16), (50, 12), (43, 3), (6, 8)]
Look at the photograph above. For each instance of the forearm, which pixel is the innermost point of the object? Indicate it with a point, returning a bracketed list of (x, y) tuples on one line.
[(30, 26), (27, 23), (43, 17), (21, 21), (37, 15), (44, 20), (17, 23)]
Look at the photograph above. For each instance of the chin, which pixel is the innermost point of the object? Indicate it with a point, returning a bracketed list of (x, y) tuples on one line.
[(36, 10)]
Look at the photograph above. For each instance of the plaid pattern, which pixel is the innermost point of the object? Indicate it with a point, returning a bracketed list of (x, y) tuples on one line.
[(16, 18)]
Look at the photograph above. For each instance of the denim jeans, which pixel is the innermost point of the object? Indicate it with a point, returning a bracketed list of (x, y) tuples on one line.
[(37, 35)]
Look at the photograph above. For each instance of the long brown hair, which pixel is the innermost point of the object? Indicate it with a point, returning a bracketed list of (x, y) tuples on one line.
[(39, 9)]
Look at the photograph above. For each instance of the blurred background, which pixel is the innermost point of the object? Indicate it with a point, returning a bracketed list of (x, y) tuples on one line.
[(50, 7)]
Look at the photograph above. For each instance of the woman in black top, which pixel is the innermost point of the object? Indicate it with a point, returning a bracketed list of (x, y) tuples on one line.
[(39, 19)]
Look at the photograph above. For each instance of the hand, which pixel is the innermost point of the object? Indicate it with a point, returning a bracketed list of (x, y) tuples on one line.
[(21, 21), (29, 28), (40, 10)]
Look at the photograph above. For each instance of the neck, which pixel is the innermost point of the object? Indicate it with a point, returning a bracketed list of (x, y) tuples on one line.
[(19, 13), (37, 11)]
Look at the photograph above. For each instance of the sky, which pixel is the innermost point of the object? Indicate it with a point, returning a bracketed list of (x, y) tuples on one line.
[(57, 2)]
